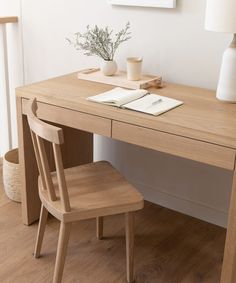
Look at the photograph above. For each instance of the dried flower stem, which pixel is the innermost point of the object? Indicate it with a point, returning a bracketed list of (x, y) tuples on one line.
[(100, 42)]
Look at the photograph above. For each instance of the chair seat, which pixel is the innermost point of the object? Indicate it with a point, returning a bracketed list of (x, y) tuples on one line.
[(95, 189)]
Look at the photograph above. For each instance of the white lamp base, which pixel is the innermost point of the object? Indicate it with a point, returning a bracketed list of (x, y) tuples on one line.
[(226, 90)]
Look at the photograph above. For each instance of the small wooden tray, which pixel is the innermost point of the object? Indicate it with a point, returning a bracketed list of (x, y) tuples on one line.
[(120, 79)]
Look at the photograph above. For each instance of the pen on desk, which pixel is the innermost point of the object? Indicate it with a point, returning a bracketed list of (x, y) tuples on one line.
[(155, 102)]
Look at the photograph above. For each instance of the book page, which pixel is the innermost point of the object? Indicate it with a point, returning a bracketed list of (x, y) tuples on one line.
[(153, 104), (118, 96)]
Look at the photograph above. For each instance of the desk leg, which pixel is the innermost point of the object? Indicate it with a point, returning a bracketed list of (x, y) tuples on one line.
[(228, 274), (78, 149), (29, 172)]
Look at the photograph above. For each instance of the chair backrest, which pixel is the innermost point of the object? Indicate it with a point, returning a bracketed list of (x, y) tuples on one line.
[(41, 131)]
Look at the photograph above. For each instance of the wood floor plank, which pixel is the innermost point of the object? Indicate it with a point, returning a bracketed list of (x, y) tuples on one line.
[(169, 248)]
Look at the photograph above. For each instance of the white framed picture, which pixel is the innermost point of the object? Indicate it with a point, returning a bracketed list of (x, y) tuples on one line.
[(145, 3)]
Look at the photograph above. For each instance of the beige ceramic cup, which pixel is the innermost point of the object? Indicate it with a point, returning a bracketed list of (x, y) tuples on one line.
[(134, 68)]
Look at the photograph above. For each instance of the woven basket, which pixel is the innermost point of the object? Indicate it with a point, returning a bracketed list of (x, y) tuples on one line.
[(11, 175)]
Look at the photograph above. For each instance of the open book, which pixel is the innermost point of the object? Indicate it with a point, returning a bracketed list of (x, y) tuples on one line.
[(138, 100)]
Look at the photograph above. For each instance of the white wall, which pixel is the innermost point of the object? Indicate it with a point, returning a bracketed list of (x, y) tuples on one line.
[(175, 45)]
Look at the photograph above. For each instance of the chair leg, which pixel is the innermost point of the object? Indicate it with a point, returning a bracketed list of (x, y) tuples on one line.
[(99, 224), (129, 230), (63, 240), (41, 230)]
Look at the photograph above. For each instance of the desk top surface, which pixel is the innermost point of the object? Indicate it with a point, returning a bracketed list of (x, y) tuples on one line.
[(201, 117)]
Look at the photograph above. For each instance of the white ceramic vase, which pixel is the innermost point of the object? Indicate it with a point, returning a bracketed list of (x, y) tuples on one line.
[(226, 90), (108, 68)]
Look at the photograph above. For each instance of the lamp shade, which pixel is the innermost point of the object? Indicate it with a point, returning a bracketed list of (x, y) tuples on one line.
[(221, 16)]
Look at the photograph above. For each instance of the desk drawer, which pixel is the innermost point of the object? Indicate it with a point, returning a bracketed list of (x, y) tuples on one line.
[(184, 147), (72, 118)]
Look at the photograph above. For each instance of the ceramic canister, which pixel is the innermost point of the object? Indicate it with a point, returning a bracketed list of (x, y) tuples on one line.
[(134, 68)]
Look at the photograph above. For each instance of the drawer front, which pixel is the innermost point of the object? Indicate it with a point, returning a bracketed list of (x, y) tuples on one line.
[(176, 145), (73, 119)]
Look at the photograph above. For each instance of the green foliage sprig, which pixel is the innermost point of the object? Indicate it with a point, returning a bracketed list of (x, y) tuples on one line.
[(100, 42)]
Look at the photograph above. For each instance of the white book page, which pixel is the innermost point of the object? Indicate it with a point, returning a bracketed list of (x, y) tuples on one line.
[(153, 104), (118, 96)]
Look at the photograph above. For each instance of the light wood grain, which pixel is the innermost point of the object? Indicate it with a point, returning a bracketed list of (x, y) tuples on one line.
[(229, 264), (46, 176), (41, 230), (119, 79), (29, 172), (188, 148), (201, 121), (74, 119), (41, 131), (62, 186), (63, 240), (113, 195), (46, 131), (205, 152), (78, 193), (8, 20), (196, 258), (129, 230), (202, 116), (99, 227), (77, 149)]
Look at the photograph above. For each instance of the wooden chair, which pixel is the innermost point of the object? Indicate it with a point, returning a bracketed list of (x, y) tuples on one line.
[(87, 191)]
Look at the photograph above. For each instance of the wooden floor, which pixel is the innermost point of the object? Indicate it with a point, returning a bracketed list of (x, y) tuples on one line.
[(170, 247)]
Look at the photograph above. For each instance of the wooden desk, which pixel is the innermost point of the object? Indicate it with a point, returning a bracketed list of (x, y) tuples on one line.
[(203, 129)]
